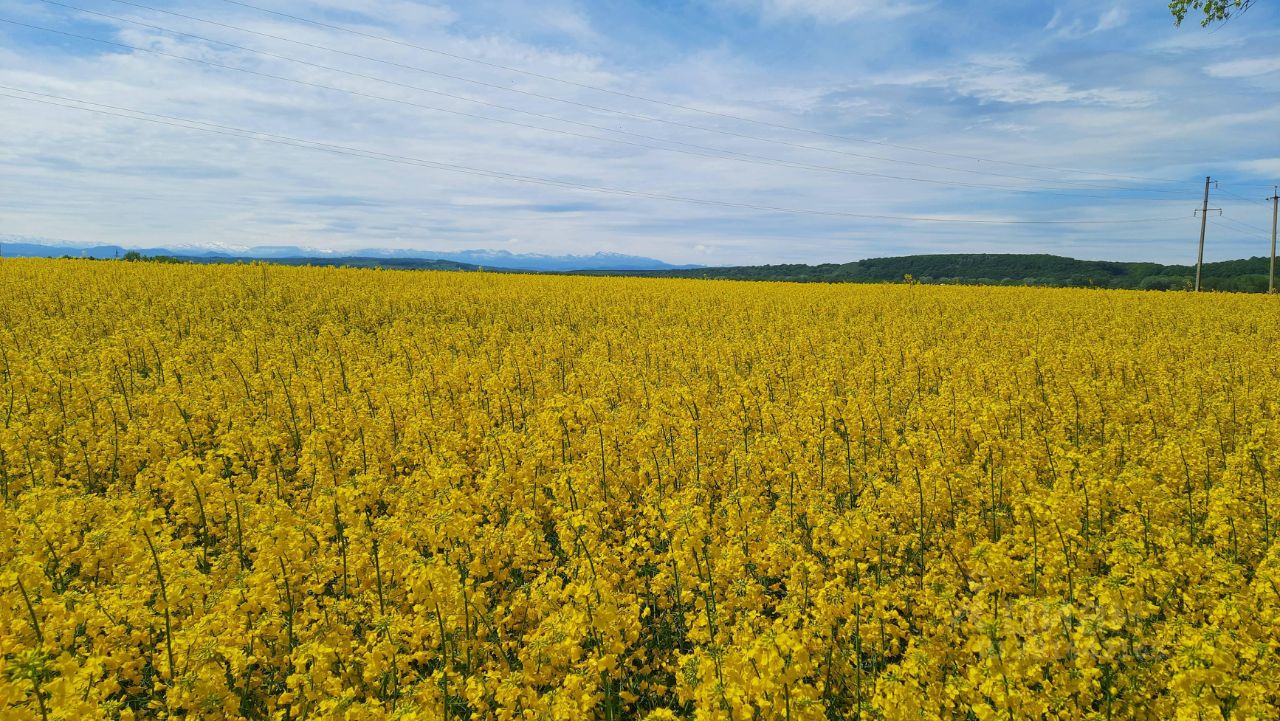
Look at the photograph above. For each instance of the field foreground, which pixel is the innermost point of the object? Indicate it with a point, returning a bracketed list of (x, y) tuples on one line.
[(261, 492)]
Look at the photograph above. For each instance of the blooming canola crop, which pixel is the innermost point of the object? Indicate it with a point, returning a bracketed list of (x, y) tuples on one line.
[(257, 492)]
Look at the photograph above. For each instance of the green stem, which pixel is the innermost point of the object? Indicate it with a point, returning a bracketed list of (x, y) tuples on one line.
[(164, 597), (35, 624)]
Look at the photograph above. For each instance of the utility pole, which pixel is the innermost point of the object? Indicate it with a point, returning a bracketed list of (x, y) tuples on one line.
[(1275, 211), (1204, 222)]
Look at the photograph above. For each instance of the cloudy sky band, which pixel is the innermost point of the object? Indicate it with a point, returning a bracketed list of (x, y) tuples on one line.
[(1113, 89)]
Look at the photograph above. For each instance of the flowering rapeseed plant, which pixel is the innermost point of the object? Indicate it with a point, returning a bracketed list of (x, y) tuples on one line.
[(255, 492)]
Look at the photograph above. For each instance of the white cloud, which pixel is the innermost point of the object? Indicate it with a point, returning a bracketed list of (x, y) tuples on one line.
[(831, 11), (1005, 79), (102, 179), (1111, 19), (1265, 167), (398, 14), (1066, 28), (1246, 68), (1195, 41)]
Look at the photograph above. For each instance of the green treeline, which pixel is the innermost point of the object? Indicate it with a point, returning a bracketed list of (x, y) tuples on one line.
[(1240, 276), (1249, 276)]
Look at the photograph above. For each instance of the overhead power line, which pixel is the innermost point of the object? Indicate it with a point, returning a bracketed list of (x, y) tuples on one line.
[(698, 150), (242, 133), (1240, 197), (1248, 233), (673, 105), (1238, 225)]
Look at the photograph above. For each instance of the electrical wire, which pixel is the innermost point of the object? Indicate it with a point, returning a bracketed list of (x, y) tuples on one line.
[(1241, 226), (231, 131), (1218, 223), (1224, 191)]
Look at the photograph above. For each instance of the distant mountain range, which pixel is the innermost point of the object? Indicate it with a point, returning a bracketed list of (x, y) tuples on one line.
[(1246, 275), (16, 247)]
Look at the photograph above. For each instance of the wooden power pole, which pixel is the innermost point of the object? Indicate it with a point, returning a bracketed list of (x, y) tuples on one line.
[(1275, 211), (1204, 221)]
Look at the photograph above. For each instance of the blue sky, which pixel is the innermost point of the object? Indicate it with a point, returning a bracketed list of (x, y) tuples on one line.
[(1080, 111)]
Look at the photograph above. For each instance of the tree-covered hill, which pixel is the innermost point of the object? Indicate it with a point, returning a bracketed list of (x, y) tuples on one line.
[(1003, 269), (1246, 275)]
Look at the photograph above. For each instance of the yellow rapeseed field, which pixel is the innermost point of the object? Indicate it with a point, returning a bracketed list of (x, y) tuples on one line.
[(257, 492)]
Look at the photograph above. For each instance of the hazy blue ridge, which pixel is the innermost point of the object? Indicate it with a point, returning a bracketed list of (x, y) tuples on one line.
[(23, 247)]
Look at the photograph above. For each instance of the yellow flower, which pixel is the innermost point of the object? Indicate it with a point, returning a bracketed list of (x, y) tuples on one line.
[(428, 495)]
